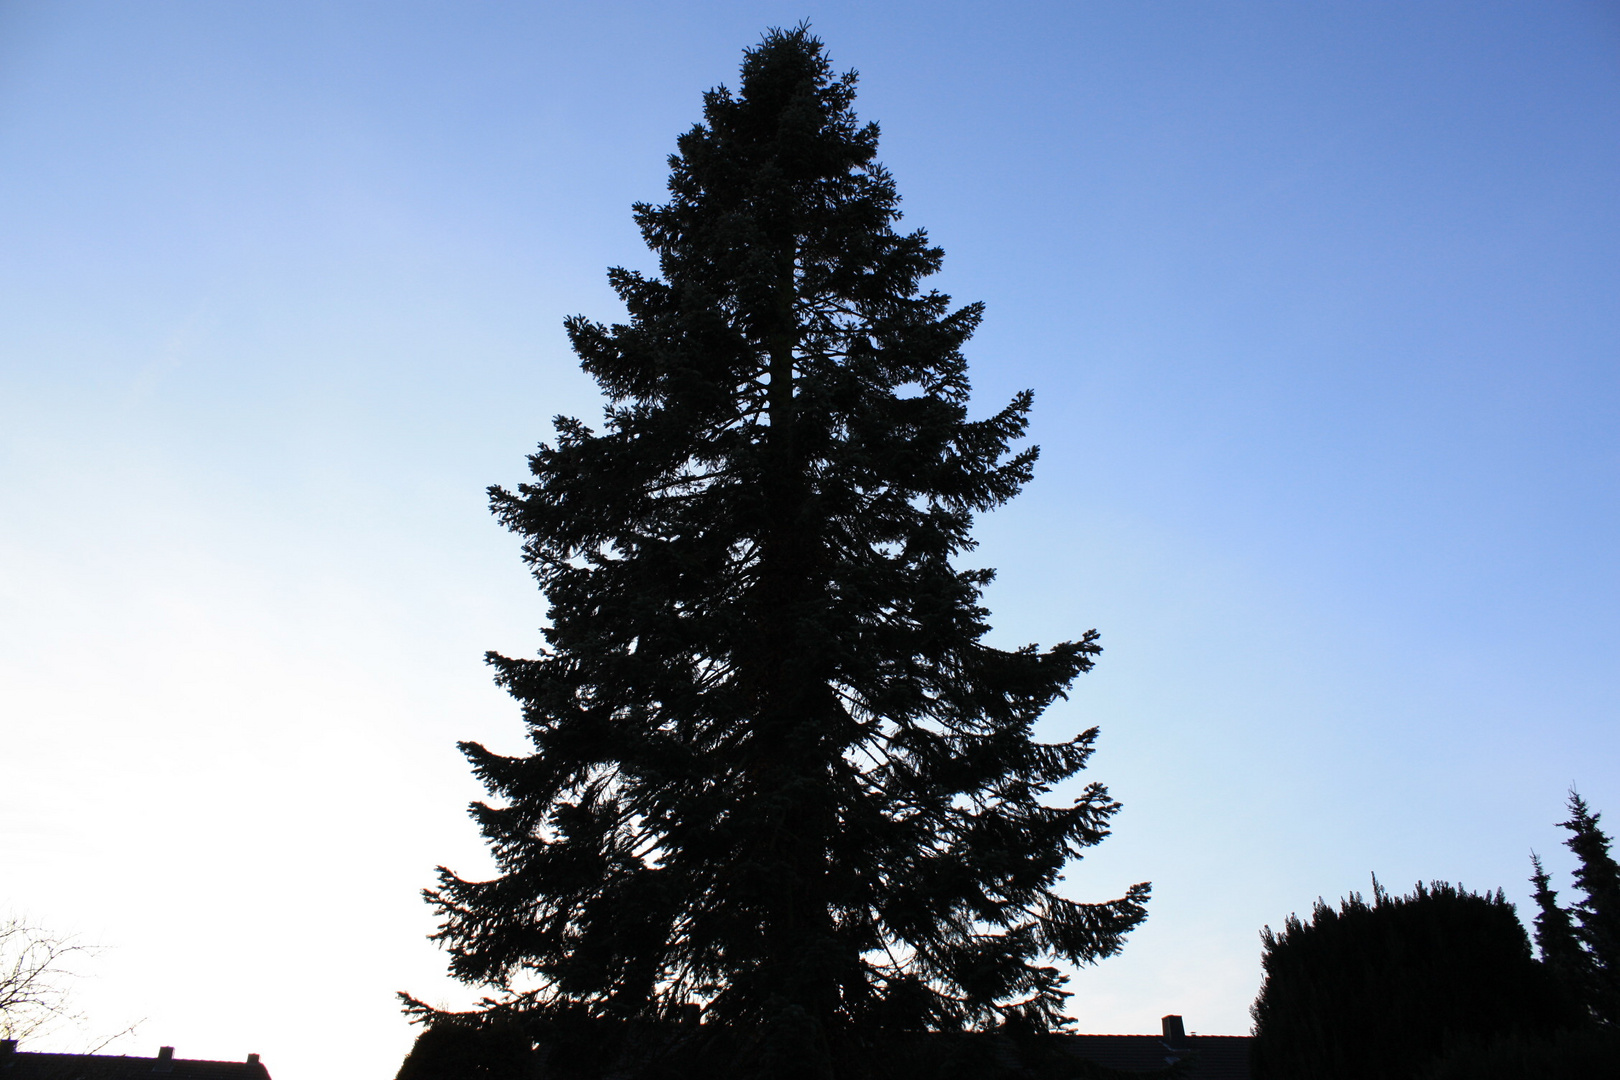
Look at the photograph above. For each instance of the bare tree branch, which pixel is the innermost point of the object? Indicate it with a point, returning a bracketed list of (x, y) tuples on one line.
[(37, 971)]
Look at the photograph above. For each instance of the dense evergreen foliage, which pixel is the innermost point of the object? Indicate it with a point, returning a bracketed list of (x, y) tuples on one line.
[(459, 1050), (778, 772), (1584, 1053), (550, 1047), (1383, 989), (1581, 945), (1561, 953)]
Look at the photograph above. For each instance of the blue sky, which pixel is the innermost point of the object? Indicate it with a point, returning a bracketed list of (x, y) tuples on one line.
[(1318, 302)]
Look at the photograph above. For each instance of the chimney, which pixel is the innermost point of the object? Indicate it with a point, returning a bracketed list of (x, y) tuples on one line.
[(165, 1060), (253, 1059), (8, 1047), (1174, 1033), (691, 1014)]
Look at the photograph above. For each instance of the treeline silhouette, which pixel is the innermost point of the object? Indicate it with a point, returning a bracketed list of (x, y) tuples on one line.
[(1441, 984)]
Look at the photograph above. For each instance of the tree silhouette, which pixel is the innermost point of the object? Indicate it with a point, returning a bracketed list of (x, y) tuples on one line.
[(777, 770), (1597, 914), (1383, 989), (36, 971), (1556, 940)]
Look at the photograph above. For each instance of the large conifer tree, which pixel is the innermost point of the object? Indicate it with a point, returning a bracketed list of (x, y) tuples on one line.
[(777, 769)]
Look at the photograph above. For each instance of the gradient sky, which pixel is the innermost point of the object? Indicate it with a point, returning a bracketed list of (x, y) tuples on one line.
[(1318, 301)]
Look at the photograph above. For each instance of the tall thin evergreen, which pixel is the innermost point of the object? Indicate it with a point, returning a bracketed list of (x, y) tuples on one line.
[(1597, 914), (1556, 940), (777, 770)]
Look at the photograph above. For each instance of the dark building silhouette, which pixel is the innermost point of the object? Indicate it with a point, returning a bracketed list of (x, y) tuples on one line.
[(24, 1065), (1208, 1057)]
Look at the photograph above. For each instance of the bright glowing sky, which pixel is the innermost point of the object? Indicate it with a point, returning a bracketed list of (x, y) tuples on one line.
[(1318, 301)]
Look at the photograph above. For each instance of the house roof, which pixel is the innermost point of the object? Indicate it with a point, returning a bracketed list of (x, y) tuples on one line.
[(1210, 1057), (24, 1065)]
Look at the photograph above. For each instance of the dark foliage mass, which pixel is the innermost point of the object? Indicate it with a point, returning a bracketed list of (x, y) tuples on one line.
[(1441, 985), (777, 771), (1580, 945), (580, 1048), (1383, 989), (1585, 1053), (492, 1050)]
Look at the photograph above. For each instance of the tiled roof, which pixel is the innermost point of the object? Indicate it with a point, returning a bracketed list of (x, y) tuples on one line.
[(1212, 1057), (22, 1065)]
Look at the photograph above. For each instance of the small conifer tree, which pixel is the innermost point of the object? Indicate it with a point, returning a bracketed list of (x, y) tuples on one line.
[(777, 771), (1560, 949), (1597, 914)]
